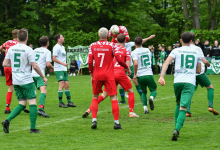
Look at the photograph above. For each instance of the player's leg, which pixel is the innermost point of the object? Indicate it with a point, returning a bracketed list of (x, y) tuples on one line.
[(153, 89), (142, 82), (8, 77), (138, 88), (122, 94), (42, 97)]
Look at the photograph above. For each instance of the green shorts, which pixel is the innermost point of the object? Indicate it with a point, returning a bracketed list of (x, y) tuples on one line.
[(203, 80), (147, 81), (26, 91), (61, 75), (132, 72), (38, 81), (183, 93)]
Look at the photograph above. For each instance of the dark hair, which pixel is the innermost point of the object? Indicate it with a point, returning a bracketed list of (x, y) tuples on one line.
[(138, 40), (186, 37), (22, 35), (43, 40), (15, 33), (193, 36), (57, 36), (121, 38)]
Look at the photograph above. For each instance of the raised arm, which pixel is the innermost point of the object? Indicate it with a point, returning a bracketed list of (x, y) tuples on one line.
[(146, 39)]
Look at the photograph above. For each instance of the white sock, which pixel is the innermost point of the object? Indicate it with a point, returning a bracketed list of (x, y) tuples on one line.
[(94, 119), (145, 107), (152, 97), (117, 121)]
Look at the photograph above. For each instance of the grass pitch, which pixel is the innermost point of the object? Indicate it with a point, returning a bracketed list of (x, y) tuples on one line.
[(66, 129)]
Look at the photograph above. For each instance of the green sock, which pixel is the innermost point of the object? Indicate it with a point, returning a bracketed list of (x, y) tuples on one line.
[(67, 92), (144, 98), (154, 93), (16, 111), (188, 108), (210, 96), (177, 112), (42, 98), (122, 94), (60, 95), (138, 90), (33, 115), (180, 119)]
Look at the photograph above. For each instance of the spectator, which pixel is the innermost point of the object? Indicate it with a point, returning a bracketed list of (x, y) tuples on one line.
[(215, 51), (199, 44), (73, 68), (177, 44), (169, 50), (206, 50), (170, 65), (153, 60), (162, 57), (31, 45), (174, 46)]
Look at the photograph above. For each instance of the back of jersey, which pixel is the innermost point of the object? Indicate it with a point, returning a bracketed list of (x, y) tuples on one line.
[(186, 59), (143, 55), (102, 52), (21, 56), (42, 55)]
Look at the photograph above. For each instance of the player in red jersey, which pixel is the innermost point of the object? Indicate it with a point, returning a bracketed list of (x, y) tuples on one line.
[(116, 30), (103, 53), (8, 72), (120, 76)]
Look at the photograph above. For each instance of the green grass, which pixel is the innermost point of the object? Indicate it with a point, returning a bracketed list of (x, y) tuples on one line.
[(66, 129)]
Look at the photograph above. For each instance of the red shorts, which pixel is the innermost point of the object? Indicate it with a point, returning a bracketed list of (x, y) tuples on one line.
[(8, 75), (109, 85), (122, 79)]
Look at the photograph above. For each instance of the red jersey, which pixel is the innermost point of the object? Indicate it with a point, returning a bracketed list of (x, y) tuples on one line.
[(103, 54), (123, 30), (124, 54), (8, 44)]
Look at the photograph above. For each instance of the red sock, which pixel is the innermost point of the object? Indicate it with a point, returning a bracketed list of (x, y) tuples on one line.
[(8, 100), (115, 109), (99, 100), (131, 101), (94, 107)]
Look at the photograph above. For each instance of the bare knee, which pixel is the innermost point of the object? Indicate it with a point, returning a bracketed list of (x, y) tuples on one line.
[(61, 85), (43, 89), (130, 90), (104, 94), (210, 87), (10, 88), (114, 97), (66, 85), (183, 108)]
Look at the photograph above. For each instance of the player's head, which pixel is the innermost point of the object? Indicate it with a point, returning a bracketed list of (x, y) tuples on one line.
[(15, 33), (138, 41), (186, 37), (103, 33), (44, 41), (23, 35), (59, 38), (206, 42), (114, 29), (121, 38)]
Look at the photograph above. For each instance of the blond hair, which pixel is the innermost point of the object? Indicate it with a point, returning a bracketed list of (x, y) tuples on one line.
[(103, 33)]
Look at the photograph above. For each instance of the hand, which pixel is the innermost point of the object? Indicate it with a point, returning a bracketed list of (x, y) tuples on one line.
[(135, 78), (152, 36), (208, 55), (159, 58), (129, 72), (162, 44), (65, 64), (45, 80), (161, 81), (51, 70)]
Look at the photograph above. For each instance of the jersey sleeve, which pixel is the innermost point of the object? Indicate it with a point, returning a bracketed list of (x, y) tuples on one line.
[(8, 54), (125, 32), (173, 54), (31, 55), (128, 55), (90, 61), (48, 56), (109, 34), (4, 45), (55, 51), (134, 56)]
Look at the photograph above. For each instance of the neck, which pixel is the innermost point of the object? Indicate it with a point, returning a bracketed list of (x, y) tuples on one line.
[(121, 44), (23, 42), (216, 45), (15, 39), (44, 46), (59, 43), (186, 44), (138, 46), (103, 39)]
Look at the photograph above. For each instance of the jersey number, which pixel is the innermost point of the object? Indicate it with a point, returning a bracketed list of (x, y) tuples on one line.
[(16, 59), (145, 60), (38, 56), (189, 61), (116, 64), (102, 55)]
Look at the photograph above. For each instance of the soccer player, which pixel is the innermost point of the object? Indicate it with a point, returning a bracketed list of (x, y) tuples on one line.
[(203, 80), (60, 70), (143, 73), (187, 64), (103, 53), (43, 59), (129, 46), (115, 30), (20, 58), (120, 76)]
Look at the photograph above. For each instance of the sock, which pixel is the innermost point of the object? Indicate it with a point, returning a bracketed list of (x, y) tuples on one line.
[(188, 108), (42, 98), (115, 109), (144, 98), (116, 121), (131, 101), (210, 96), (94, 107), (16, 111), (177, 112), (33, 115), (138, 89), (99, 100), (145, 107), (122, 94), (180, 119), (94, 119), (67, 92), (8, 100), (154, 94), (60, 95)]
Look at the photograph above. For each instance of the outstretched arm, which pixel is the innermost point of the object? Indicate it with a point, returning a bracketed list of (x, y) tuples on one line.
[(146, 39)]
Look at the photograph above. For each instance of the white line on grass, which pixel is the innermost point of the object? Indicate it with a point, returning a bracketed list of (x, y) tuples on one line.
[(46, 124)]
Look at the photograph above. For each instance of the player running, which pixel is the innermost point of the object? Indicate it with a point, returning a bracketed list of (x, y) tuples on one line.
[(43, 59), (187, 64), (116, 30), (103, 53), (120, 76), (20, 58), (143, 73), (203, 80)]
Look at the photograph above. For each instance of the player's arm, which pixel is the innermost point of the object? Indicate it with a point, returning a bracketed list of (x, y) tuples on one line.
[(59, 62), (146, 39), (49, 65), (2, 49), (37, 69), (198, 68), (6, 63), (120, 61), (90, 61), (48, 61), (205, 61)]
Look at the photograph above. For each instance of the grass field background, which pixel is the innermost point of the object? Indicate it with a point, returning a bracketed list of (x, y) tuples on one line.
[(66, 129)]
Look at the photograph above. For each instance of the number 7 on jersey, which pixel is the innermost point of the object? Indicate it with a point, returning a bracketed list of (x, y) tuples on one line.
[(102, 55)]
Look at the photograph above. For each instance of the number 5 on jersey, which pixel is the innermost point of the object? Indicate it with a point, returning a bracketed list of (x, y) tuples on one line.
[(102, 55)]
